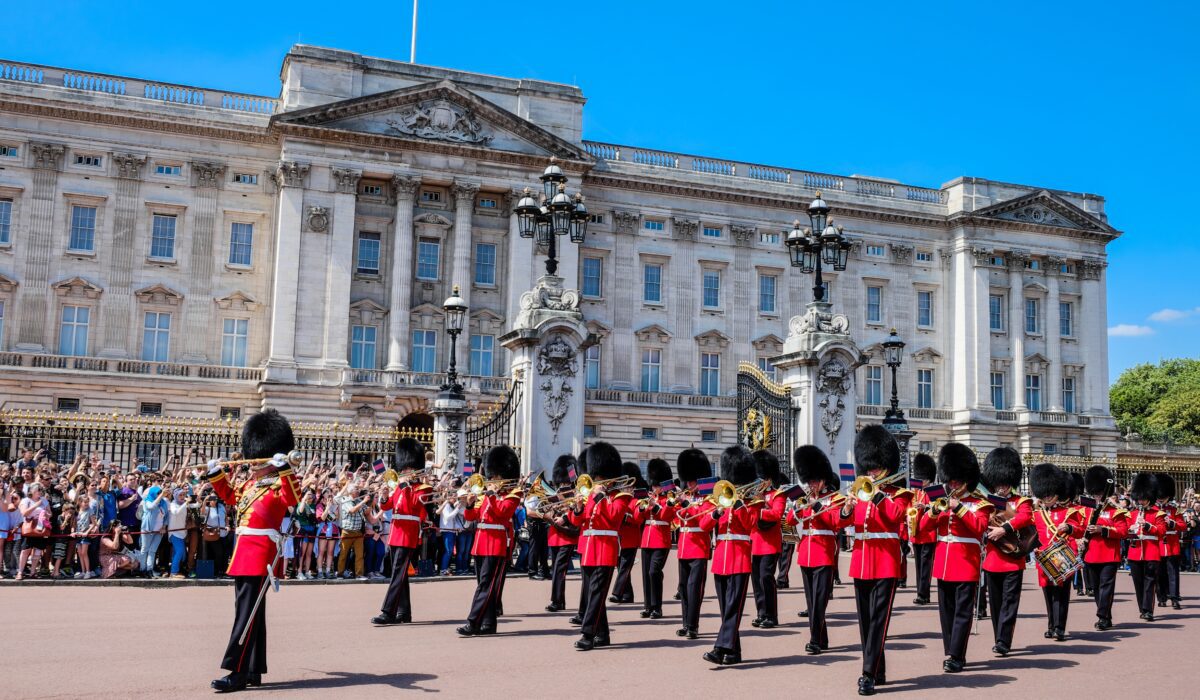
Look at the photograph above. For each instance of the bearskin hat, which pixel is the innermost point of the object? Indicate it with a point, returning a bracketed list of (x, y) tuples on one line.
[(501, 462), (266, 434), (737, 465), (410, 454), (957, 462), (692, 465), (631, 469), (1045, 480), (1144, 488), (1098, 481), (924, 469), (1164, 486), (564, 467), (812, 465), (602, 461), (1072, 486), (1002, 467), (767, 466), (658, 471), (875, 448)]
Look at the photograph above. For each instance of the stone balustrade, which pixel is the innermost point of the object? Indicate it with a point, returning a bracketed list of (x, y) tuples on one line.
[(101, 365), (657, 398)]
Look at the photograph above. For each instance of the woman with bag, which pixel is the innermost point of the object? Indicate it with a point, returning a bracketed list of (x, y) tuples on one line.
[(212, 535), (114, 553), (35, 529)]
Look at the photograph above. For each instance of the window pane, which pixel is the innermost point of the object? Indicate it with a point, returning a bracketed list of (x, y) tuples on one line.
[(766, 294), (998, 390), (1033, 392), (924, 388), (241, 243), (652, 283), (424, 351), (1031, 315), (83, 229), (996, 312), (712, 289), (485, 263), (592, 363), (368, 253), (874, 392), (428, 259), (156, 333), (162, 237), (710, 374), (651, 364), (593, 269), (482, 347), (1065, 312), (362, 347), (5, 220), (924, 308), (874, 304)]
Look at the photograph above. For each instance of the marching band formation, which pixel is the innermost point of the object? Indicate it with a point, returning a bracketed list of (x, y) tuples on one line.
[(967, 526)]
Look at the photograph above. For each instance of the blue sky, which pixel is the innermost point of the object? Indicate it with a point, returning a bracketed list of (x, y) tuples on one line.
[(1087, 96)]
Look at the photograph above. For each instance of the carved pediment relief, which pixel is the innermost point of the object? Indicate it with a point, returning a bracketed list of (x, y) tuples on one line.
[(1044, 208), (158, 294), (927, 354), (487, 322), (7, 284), (768, 343), (366, 312), (598, 329), (874, 351), (712, 339), (237, 301), (78, 288), (427, 316), (653, 333), (432, 219), (1036, 362), (1037, 287)]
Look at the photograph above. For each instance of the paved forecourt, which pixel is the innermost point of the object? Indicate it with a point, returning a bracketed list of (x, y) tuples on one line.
[(77, 640)]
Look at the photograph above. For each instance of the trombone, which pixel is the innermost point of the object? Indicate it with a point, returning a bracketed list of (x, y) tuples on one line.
[(864, 487), (725, 494)]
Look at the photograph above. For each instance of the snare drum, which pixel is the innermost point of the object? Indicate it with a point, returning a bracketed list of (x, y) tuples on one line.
[(789, 532), (1058, 562)]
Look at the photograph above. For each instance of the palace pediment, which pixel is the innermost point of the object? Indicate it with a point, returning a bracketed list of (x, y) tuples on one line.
[(436, 114), (1044, 208)]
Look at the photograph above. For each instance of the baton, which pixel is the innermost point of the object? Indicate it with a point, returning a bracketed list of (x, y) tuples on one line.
[(262, 593)]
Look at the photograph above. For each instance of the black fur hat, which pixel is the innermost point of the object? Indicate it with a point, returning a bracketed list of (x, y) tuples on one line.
[(812, 465), (737, 465), (875, 448), (1144, 488), (1098, 481), (602, 461), (410, 454), (266, 434), (957, 462), (658, 471), (1164, 486), (924, 468), (1002, 467), (1072, 486), (1045, 480), (692, 465), (564, 466), (631, 469), (767, 466), (501, 462)]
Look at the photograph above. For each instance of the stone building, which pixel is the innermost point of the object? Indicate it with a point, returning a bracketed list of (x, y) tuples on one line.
[(196, 252)]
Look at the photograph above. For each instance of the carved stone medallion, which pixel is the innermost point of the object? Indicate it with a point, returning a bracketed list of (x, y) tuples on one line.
[(440, 120), (557, 365)]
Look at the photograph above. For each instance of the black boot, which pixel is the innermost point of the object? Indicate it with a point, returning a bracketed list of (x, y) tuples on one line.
[(866, 685), (231, 683)]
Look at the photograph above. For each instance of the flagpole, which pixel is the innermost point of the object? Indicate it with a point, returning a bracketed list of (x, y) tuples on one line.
[(412, 55)]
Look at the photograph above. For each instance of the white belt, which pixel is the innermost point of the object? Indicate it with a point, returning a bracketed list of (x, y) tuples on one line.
[(954, 539), (876, 535), (414, 518), (660, 523), (686, 530), (273, 534), (734, 538), (600, 533), (490, 526), (826, 533), (1148, 538)]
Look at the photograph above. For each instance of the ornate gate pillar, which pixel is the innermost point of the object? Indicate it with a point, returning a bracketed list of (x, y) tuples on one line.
[(449, 432)]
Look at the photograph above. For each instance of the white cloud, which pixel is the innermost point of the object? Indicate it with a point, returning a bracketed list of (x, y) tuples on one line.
[(1169, 315), (1129, 330)]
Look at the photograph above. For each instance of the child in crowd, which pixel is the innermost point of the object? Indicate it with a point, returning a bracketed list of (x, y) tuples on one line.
[(327, 535), (87, 524)]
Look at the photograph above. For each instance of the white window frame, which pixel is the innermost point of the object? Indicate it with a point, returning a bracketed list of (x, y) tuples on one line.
[(873, 385), (235, 341), (1035, 317), (245, 179), (482, 266), (95, 221), (248, 245), (1066, 322), (876, 251), (705, 276), (155, 219), (598, 293), (168, 169), (1033, 391), (712, 232), (997, 384), (773, 296), (156, 339), (710, 374), (925, 387), (482, 360), (924, 256), (74, 325), (437, 262), (654, 225), (364, 339), (929, 322), (999, 313), (6, 216), (367, 237), (878, 304), (592, 368), (651, 374), (1070, 389), (424, 347), (657, 284)]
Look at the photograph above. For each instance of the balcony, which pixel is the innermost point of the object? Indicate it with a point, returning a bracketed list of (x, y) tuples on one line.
[(104, 366), (657, 398), (392, 379)]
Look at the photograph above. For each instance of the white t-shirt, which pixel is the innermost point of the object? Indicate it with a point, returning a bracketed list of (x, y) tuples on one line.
[(177, 522)]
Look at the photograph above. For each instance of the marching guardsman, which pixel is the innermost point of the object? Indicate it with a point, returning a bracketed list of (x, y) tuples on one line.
[(656, 516), (695, 539), (1171, 556), (875, 562), (262, 503), (1074, 492), (562, 538), (1056, 522), (631, 538), (493, 513), (1146, 529), (409, 510), (598, 519), (924, 540), (767, 541), (960, 527), (1002, 471), (1107, 525), (817, 523), (905, 496), (733, 519)]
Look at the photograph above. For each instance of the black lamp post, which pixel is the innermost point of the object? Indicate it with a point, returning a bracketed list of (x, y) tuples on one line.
[(823, 244), (456, 316), (557, 214), (893, 355)]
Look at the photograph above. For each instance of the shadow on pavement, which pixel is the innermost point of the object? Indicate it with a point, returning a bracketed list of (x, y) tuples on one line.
[(340, 679), (946, 680), (1011, 664), (1061, 648), (915, 635), (795, 660)]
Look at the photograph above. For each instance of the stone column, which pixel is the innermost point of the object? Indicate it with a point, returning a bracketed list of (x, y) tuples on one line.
[(1016, 325), (404, 187), (206, 223), (464, 208), (450, 430), (116, 306), (625, 278), (338, 272), (1093, 333), (520, 259), (35, 331), (742, 304), (967, 362), (685, 276), (1053, 388), (290, 178)]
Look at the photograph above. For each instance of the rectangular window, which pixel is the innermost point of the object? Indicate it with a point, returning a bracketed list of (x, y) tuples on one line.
[(709, 436), (1050, 448), (828, 290), (596, 218), (83, 229), (230, 413), (651, 369), (766, 293), (925, 309), (156, 336), (649, 433), (245, 178), (712, 289), (1032, 324), (591, 360), (1066, 319), (89, 161), (488, 203), (924, 388), (424, 351), (73, 332), (429, 253), (431, 196), (150, 409), (874, 393), (998, 391), (5, 221), (710, 374), (875, 251), (1033, 392), (712, 231), (1, 324), (1068, 394), (653, 225), (368, 253), (765, 366), (874, 304), (162, 237), (485, 263), (652, 284), (1032, 264), (362, 347), (241, 243), (996, 312), (924, 256), (593, 277), (234, 332), (997, 260), (769, 238), (926, 446), (161, 169), (67, 405), (9, 151), (373, 190), (1066, 269), (482, 350), (589, 431)]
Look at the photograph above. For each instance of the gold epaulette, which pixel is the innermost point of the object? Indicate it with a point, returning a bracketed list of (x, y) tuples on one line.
[(1022, 499), (1120, 511), (623, 494), (422, 487)]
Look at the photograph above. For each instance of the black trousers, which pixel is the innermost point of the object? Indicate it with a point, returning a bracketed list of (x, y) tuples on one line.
[(905, 549), (1103, 579), (1058, 604), (956, 605), (561, 557), (818, 589), (1144, 575), (596, 580), (783, 580), (653, 563), (693, 574), (397, 603), (923, 554), (539, 533), (1168, 579), (250, 657), (489, 580), (873, 598), (731, 593), (1005, 603), (766, 594), (623, 587)]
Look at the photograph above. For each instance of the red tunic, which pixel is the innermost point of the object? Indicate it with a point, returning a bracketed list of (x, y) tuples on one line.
[(924, 534), (260, 507), (695, 538), (769, 541), (960, 540), (1174, 526), (656, 526), (630, 532), (1047, 522), (408, 512), (877, 538), (599, 523), (1105, 547), (999, 562), (494, 531), (905, 496), (734, 542), (560, 536), (818, 538), (1146, 529)]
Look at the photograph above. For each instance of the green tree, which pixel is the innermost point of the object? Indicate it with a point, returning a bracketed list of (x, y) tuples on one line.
[(1159, 402)]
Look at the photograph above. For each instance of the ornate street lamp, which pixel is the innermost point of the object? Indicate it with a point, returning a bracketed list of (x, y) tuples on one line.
[(455, 308), (557, 214), (809, 251), (894, 421)]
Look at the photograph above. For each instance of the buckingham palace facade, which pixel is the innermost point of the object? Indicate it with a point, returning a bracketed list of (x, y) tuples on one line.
[(196, 253)]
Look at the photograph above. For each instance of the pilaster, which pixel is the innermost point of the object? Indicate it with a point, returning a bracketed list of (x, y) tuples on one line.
[(464, 207), (1016, 325), (33, 331), (290, 178), (404, 189), (205, 235), (1053, 389), (338, 269)]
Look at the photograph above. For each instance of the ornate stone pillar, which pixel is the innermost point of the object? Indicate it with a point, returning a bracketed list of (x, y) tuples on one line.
[(1016, 325), (290, 178), (450, 431), (338, 268), (206, 223), (741, 305), (117, 306), (520, 258), (627, 301), (685, 276), (1054, 373), (404, 187), (35, 330), (464, 208)]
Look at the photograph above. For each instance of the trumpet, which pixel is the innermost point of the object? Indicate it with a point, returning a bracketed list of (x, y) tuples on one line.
[(294, 459), (941, 504), (584, 485), (725, 494), (864, 487)]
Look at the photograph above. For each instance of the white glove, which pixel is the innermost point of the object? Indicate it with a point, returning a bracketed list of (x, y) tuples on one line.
[(214, 467)]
